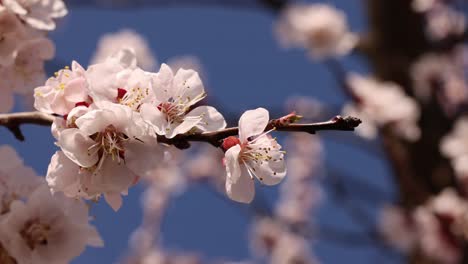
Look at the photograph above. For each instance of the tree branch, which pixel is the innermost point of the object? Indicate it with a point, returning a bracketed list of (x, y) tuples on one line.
[(13, 121)]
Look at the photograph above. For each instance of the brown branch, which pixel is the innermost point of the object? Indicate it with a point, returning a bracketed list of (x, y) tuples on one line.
[(13, 122)]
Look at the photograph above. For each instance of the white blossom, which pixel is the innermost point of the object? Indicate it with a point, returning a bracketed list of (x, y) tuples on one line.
[(62, 92), (171, 114), (39, 14), (113, 144), (253, 154), (111, 43), (320, 28)]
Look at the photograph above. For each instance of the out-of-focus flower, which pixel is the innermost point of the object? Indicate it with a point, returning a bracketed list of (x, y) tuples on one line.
[(187, 62), (398, 228), (39, 14), (445, 21), (17, 181), (265, 235), (292, 249), (320, 28), (47, 229), (175, 95), (111, 43), (444, 76), (22, 55), (299, 193), (455, 146), (253, 154), (382, 104), (441, 223)]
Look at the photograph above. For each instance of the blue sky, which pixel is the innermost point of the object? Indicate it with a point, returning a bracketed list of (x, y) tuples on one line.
[(246, 69)]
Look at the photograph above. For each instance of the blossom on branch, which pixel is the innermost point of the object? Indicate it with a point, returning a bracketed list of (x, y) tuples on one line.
[(253, 154), (172, 113)]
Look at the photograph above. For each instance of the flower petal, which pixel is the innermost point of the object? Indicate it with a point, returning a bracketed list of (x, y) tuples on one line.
[(75, 145), (211, 120), (253, 123), (242, 190), (154, 117)]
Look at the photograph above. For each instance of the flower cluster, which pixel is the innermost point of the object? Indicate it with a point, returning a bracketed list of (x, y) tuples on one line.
[(320, 28), (109, 118), (36, 226), (24, 46)]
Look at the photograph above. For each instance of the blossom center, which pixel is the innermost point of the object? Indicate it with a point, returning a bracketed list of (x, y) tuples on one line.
[(174, 112), (132, 98), (35, 233), (109, 143)]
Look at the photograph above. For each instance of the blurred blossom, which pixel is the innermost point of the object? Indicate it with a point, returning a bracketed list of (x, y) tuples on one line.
[(23, 51), (455, 146), (443, 75), (38, 14), (445, 21), (300, 194), (309, 108), (187, 62), (319, 28), (292, 249), (265, 235), (35, 225), (382, 104), (398, 228), (440, 226), (426, 5), (111, 43), (206, 164), (273, 240)]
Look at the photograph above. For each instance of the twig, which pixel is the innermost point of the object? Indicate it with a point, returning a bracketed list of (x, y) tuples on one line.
[(13, 122)]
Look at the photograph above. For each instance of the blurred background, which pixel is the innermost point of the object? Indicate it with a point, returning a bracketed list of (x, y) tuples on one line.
[(243, 66)]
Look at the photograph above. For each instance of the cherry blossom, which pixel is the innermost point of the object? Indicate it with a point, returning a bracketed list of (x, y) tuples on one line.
[(171, 114), (38, 14), (320, 28), (254, 153), (47, 229), (62, 92), (114, 145), (111, 43)]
